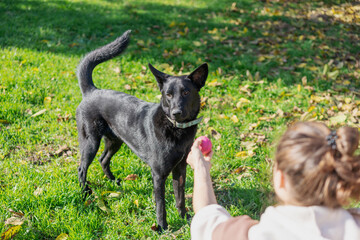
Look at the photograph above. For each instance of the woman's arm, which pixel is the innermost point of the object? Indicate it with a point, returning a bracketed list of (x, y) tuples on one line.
[(203, 190)]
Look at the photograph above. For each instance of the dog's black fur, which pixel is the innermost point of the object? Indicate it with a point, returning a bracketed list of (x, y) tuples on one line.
[(144, 127)]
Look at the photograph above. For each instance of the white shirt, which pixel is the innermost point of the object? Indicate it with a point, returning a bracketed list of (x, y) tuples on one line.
[(285, 222)]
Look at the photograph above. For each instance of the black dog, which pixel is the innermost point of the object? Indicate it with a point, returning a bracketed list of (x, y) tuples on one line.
[(159, 134)]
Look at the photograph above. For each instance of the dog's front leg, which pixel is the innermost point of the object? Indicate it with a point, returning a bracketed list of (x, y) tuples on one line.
[(159, 192), (179, 177)]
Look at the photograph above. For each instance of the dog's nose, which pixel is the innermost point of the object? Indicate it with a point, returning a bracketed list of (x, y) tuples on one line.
[(176, 113)]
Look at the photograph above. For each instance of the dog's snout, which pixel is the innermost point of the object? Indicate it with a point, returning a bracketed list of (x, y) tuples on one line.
[(176, 112)]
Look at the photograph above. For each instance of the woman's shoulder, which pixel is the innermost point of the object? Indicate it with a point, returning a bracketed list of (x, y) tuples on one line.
[(355, 213)]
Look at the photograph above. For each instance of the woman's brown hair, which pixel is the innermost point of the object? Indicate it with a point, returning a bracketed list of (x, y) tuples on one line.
[(320, 164)]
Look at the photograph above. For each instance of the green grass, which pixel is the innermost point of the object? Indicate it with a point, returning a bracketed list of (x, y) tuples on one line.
[(270, 64)]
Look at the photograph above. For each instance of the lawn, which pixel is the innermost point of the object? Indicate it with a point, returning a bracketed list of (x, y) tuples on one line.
[(271, 63)]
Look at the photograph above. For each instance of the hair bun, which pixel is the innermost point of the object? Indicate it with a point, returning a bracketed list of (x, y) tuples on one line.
[(347, 141)]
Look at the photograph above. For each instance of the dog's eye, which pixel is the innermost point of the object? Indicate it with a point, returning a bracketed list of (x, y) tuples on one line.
[(169, 95), (186, 92)]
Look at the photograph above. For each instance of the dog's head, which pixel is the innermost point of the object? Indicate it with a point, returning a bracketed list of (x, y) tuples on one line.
[(180, 94)]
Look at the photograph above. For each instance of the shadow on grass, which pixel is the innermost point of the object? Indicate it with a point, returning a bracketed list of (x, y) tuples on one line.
[(252, 201), (234, 38)]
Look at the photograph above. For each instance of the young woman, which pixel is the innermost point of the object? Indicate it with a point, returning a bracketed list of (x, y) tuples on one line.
[(316, 174)]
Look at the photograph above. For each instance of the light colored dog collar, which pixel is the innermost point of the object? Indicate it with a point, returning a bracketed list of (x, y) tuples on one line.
[(185, 125)]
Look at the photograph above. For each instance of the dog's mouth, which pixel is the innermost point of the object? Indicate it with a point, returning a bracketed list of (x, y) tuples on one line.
[(178, 116), (178, 119)]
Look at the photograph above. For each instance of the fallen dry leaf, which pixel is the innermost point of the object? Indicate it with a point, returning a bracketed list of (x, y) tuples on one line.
[(20, 214), (61, 150), (101, 204), (38, 191), (39, 113), (337, 119), (246, 174), (154, 227), (131, 177), (214, 133), (14, 220), (234, 119)]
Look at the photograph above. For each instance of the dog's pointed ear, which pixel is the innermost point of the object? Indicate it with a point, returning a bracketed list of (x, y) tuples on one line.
[(160, 76), (199, 75)]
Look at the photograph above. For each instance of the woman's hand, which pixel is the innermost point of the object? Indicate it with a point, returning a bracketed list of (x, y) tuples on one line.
[(196, 159)]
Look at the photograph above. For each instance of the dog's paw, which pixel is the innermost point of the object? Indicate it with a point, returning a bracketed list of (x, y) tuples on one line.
[(188, 217), (118, 181), (86, 192)]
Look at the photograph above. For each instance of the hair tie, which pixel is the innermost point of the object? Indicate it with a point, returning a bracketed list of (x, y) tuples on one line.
[(331, 139)]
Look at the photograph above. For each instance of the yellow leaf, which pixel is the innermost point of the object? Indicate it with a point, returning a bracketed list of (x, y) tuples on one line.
[(47, 100), (317, 99), (62, 236), (197, 43), (313, 68), (261, 59), (172, 24), (311, 108), (301, 37), (242, 101), (333, 75), (326, 69), (245, 30), (213, 31), (222, 116), (302, 65), (136, 202), (299, 88), (140, 43), (234, 119), (241, 154), (8, 234), (346, 82)]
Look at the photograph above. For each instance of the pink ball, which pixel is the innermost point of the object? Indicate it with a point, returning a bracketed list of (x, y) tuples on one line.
[(205, 146)]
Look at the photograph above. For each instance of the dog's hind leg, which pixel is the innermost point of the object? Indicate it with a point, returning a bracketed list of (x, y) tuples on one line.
[(179, 176), (89, 146), (112, 145)]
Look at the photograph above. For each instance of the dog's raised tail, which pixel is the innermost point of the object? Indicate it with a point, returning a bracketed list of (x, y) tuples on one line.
[(92, 59)]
